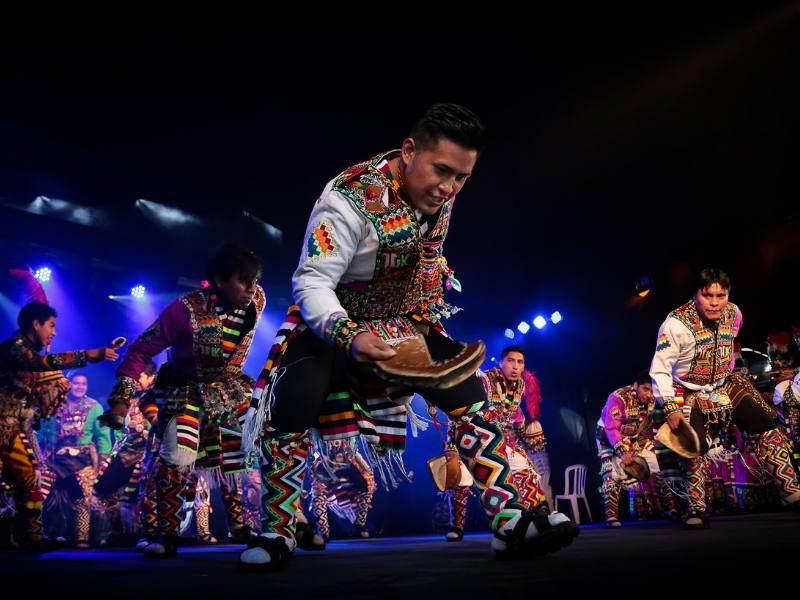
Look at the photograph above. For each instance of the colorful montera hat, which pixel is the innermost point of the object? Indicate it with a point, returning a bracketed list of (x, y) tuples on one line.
[(782, 350)]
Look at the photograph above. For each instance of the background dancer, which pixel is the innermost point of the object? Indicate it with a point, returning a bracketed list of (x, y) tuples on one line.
[(124, 466), (623, 431), (693, 382), (74, 445), (342, 482), (201, 391), (23, 390), (506, 387)]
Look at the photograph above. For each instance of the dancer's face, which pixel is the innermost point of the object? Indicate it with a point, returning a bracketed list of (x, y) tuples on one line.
[(434, 174), (44, 332), (711, 301), (144, 381), (78, 386), (236, 292), (512, 366), (645, 393)]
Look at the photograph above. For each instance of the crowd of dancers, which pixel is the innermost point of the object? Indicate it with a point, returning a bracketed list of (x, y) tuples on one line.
[(333, 400)]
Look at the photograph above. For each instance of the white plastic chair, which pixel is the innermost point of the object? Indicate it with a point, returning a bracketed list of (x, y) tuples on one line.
[(577, 475)]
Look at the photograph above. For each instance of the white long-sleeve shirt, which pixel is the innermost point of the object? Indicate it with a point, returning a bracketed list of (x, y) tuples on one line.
[(675, 352)]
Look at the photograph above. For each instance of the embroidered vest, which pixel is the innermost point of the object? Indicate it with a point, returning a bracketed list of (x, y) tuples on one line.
[(636, 411), (207, 334), (499, 400), (713, 351), (408, 269)]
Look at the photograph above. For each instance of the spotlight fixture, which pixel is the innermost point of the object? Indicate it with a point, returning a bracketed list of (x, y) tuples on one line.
[(644, 283), (556, 317), (523, 327), (138, 291), (509, 334), (540, 322), (43, 274)]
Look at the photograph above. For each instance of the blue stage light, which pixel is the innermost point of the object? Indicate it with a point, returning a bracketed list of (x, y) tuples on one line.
[(43, 274), (556, 317), (540, 322), (138, 291), (523, 327), (509, 334)]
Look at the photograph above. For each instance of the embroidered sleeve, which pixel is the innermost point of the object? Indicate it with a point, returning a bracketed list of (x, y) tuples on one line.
[(340, 330), (668, 350), (123, 391), (612, 421), (167, 329), (334, 236), (28, 360)]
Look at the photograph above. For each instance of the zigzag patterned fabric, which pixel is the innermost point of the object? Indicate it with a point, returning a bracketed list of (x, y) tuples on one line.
[(201, 519), (611, 489), (458, 506), (147, 503), (282, 472), (232, 501), (666, 499), (363, 504), (82, 519), (481, 446), (696, 478), (169, 492), (772, 450), (530, 494), (319, 508)]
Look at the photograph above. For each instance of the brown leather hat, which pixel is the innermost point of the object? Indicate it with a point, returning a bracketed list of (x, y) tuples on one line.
[(684, 441), (413, 365), (638, 469)]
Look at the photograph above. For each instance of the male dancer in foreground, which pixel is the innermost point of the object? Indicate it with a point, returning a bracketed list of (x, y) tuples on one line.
[(372, 272), (693, 381)]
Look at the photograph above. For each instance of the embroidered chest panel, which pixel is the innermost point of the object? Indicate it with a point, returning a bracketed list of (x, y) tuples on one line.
[(72, 424), (713, 346), (502, 399), (404, 272), (207, 335), (636, 411)]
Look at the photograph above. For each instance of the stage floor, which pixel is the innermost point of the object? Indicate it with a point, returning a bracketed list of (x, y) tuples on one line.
[(739, 554)]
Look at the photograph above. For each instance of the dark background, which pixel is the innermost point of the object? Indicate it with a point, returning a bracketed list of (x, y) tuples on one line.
[(661, 140)]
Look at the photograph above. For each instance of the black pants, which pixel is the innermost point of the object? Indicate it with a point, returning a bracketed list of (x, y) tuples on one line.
[(748, 416), (114, 477), (314, 367)]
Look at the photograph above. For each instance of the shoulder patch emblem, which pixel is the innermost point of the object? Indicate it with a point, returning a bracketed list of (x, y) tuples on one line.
[(321, 243), (663, 343)]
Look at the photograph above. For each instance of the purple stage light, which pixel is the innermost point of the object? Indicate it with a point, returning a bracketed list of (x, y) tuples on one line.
[(540, 322), (509, 334), (523, 327), (138, 291)]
